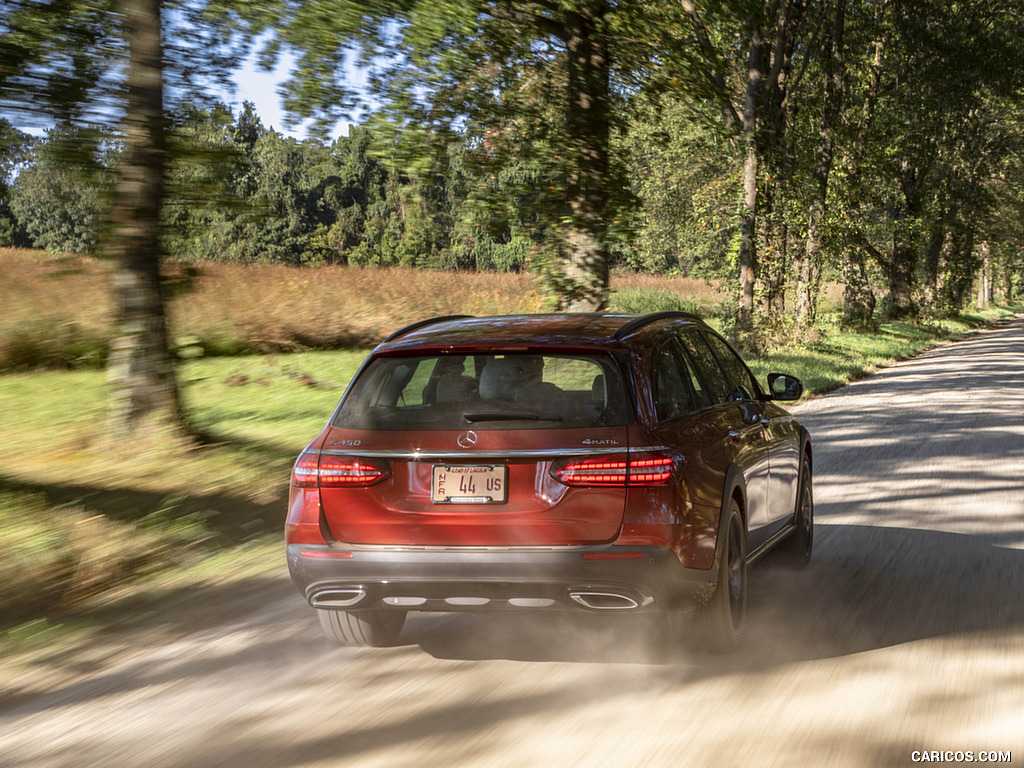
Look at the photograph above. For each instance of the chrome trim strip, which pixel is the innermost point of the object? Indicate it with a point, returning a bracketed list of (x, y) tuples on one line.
[(582, 597), (479, 454), (336, 597)]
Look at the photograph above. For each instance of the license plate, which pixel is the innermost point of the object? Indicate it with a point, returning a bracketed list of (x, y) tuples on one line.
[(475, 484)]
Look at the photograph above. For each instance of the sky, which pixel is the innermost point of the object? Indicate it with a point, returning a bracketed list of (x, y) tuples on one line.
[(261, 89), (251, 85)]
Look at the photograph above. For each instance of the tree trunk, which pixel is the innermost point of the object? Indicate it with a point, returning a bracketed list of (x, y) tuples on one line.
[(858, 298), (932, 283), (902, 266), (807, 267), (985, 281), (584, 248), (748, 216), (141, 368), (774, 266), (806, 263), (901, 279)]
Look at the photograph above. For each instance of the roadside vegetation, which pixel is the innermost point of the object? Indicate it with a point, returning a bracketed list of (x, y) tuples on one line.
[(89, 522), (58, 311)]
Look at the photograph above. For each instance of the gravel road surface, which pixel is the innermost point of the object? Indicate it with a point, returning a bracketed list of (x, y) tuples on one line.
[(905, 634)]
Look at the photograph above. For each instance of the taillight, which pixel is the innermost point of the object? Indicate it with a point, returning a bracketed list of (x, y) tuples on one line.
[(305, 469), (313, 470), (619, 470), (606, 470), (651, 469)]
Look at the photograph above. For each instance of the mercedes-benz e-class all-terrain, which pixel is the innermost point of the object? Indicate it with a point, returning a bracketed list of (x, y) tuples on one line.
[(574, 462)]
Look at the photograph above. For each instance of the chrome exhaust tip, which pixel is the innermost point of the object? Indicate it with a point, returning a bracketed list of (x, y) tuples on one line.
[(604, 601), (336, 598)]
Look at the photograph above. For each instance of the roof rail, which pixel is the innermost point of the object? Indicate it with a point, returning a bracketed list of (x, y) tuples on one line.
[(423, 323), (639, 322)]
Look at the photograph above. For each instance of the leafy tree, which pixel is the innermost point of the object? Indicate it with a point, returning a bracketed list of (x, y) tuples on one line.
[(208, 150), (687, 181), (58, 194), (81, 61), (15, 147), (278, 224), (930, 145), (526, 82)]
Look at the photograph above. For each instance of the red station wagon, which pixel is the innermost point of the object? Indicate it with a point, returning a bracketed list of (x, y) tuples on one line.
[(591, 462)]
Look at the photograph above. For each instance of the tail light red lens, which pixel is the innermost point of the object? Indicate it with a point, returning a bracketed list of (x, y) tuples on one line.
[(634, 469), (304, 473), (313, 470), (652, 469), (606, 470)]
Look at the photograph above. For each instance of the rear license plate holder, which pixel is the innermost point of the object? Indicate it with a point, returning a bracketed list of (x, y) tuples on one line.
[(469, 484)]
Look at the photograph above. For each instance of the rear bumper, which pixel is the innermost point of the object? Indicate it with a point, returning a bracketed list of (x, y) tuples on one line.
[(599, 578)]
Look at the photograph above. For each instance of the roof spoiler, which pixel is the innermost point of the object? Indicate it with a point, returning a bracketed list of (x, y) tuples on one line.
[(639, 322), (422, 324)]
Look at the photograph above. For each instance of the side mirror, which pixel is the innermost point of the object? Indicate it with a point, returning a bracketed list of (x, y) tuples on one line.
[(784, 387)]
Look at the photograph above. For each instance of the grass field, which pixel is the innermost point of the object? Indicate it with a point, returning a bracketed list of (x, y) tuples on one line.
[(87, 523), (58, 312)]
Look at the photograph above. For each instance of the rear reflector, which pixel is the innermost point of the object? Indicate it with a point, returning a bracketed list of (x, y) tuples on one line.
[(651, 468), (314, 470), (613, 555), (318, 553)]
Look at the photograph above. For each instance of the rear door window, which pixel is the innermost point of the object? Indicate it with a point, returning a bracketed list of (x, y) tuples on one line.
[(494, 391), (742, 385), (713, 383), (676, 392)]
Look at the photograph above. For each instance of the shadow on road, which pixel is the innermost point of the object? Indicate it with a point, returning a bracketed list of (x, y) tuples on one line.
[(871, 588)]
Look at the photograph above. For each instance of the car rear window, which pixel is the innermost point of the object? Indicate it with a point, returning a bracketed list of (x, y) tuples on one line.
[(489, 391)]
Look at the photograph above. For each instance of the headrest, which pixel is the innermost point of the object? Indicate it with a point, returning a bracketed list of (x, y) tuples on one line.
[(503, 378)]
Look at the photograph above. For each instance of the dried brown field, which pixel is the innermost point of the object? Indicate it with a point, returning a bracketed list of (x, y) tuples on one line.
[(59, 311)]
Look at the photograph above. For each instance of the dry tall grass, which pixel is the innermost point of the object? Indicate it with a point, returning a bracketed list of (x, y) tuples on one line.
[(59, 311), (702, 293), (52, 311), (278, 307)]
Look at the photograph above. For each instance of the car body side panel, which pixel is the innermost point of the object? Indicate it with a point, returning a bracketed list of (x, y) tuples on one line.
[(784, 442), (672, 521), (747, 447), (682, 515)]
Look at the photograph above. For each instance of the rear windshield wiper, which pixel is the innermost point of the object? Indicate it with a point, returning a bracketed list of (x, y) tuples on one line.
[(508, 416)]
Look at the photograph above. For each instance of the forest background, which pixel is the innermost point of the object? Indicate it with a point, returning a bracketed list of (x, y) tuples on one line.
[(767, 145)]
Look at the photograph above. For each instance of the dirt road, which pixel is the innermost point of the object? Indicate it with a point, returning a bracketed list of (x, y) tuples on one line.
[(905, 634)]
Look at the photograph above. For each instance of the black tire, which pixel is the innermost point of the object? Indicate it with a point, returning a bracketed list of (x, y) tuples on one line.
[(719, 622), (366, 629), (797, 547)]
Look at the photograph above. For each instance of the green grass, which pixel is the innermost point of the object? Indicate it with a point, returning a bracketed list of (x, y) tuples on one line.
[(82, 517), (270, 399), (839, 356)]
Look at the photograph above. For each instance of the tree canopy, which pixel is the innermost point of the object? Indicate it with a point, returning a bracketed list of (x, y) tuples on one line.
[(774, 144)]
